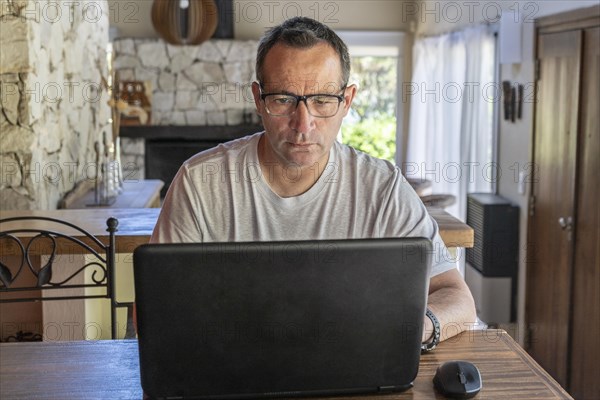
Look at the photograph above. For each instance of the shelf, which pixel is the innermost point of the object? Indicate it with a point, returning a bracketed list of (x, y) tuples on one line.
[(189, 132)]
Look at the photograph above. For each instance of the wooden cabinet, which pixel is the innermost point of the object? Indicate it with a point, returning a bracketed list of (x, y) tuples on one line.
[(563, 266)]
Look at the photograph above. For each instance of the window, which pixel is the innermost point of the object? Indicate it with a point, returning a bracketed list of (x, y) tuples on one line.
[(372, 125)]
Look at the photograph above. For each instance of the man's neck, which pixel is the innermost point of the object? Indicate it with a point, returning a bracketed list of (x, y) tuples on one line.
[(288, 180)]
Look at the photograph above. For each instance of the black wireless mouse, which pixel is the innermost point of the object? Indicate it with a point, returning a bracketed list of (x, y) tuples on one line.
[(458, 379)]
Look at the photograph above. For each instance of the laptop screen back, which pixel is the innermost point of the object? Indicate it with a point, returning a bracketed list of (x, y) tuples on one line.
[(236, 320)]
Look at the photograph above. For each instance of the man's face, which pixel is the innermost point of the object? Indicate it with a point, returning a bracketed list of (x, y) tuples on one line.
[(301, 139)]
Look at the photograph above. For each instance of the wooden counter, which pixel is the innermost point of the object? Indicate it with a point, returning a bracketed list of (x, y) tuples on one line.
[(136, 194), (454, 232), (136, 224)]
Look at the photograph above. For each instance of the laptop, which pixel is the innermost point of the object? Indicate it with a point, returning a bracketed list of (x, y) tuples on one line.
[(280, 319)]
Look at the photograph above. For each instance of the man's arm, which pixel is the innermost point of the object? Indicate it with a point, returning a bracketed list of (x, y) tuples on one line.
[(452, 303)]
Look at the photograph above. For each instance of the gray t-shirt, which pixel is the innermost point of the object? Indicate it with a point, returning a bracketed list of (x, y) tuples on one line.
[(220, 195)]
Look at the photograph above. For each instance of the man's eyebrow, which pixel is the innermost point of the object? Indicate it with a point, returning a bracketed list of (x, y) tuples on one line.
[(283, 91), (275, 91), (287, 92)]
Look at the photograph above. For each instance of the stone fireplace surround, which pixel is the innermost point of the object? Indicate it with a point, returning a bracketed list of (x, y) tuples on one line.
[(201, 96)]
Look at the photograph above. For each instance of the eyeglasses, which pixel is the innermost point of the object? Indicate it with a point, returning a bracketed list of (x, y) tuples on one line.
[(318, 105)]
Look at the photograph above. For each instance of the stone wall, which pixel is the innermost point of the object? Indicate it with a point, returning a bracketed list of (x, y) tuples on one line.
[(207, 84), (53, 106)]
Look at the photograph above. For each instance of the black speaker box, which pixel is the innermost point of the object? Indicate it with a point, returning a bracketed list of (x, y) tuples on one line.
[(496, 224)]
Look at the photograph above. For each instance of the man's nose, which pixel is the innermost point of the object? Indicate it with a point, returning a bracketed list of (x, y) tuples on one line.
[(301, 120)]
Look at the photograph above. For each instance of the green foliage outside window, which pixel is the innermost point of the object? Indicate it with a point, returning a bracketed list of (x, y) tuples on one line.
[(374, 136), (371, 124)]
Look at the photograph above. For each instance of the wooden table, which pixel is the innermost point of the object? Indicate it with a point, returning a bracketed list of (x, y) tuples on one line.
[(136, 224), (110, 370)]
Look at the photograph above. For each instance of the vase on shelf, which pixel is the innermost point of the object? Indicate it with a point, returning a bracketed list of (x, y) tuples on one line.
[(107, 186), (118, 166)]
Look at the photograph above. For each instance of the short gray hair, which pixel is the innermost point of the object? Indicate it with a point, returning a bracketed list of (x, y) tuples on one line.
[(302, 32)]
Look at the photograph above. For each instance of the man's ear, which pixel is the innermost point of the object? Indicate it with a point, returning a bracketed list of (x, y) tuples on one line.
[(257, 101), (349, 94)]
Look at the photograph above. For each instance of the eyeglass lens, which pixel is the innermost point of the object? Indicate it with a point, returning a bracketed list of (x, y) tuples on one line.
[(318, 106)]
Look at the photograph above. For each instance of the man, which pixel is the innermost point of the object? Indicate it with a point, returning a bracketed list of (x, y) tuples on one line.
[(295, 182)]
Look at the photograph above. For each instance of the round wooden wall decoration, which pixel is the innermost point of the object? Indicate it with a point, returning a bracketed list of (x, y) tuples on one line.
[(185, 22)]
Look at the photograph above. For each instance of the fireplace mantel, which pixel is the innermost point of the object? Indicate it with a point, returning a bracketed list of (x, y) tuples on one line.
[(189, 132)]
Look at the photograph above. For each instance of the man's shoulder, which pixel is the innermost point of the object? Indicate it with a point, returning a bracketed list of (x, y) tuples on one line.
[(224, 152)]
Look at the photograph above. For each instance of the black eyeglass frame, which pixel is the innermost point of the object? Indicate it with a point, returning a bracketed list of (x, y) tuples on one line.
[(340, 99)]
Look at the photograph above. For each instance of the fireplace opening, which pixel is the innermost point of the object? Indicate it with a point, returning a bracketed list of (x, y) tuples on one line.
[(164, 157), (167, 147)]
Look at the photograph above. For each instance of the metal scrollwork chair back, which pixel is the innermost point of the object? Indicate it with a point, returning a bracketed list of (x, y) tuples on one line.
[(28, 236)]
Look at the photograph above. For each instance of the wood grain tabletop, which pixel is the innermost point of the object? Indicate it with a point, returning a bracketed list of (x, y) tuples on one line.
[(110, 370)]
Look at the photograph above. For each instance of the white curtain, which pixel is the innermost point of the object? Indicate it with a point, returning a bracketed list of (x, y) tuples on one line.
[(453, 95)]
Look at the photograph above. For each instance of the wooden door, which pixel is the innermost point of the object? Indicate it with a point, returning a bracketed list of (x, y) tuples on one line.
[(550, 234), (585, 330)]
